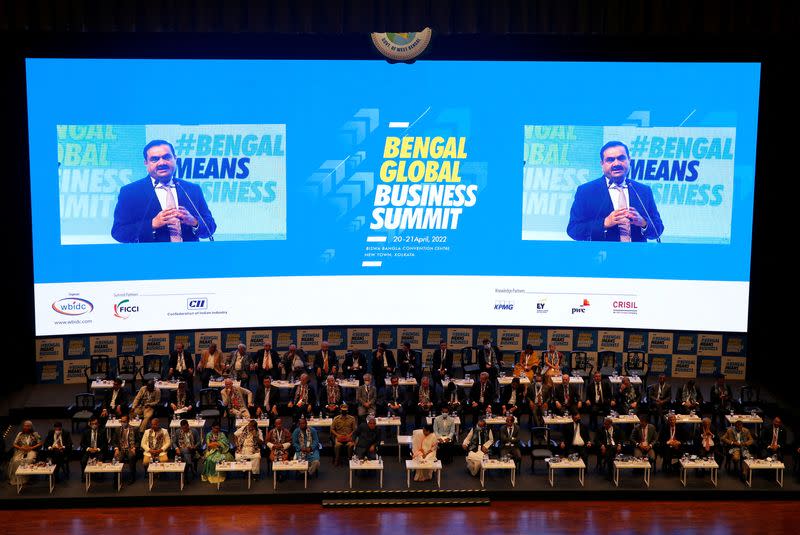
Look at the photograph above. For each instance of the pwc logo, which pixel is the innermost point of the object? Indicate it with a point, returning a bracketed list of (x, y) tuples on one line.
[(73, 306), (124, 309), (196, 303), (581, 309)]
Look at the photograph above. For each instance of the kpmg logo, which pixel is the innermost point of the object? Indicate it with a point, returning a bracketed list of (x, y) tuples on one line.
[(504, 305), (581, 309), (196, 303), (124, 309), (73, 306), (624, 307)]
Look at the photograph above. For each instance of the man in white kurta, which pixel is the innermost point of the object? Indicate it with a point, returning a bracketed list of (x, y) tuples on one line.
[(423, 448), (155, 443), (248, 445), (477, 444)]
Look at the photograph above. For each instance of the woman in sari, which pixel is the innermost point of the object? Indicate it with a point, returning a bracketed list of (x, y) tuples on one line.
[(218, 449), (25, 445)]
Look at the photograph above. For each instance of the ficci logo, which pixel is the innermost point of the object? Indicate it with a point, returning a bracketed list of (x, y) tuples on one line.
[(124, 309), (73, 306)]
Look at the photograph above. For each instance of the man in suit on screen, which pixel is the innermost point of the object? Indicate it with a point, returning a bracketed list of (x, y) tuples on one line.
[(160, 207), (614, 207)]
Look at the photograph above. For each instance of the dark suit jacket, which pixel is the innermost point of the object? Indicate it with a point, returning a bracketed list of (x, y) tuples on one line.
[(652, 435), (133, 437), (680, 435), (716, 399), (122, 400), (547, 392), (593, 203), (348, 363), (138, 204), (311, 399), (173, 397), (498, 358), (273, 396), (433, 393), (569, 434), (188, 359), (666, 392), (488, 394), (409, 363), (66, 440), (387, 395), (332, 361), (766, 437), (602, 436), (102, 439), (605, 389), (558, 393), (506, 439), (505, 396), (436, 360), (377, 363), (259, 361)]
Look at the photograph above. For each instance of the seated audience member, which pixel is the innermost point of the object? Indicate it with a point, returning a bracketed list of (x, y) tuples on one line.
[(575, 439), (236, 400), (155, 443), (58, 447), (187, 446), (305, 442), (706, 442), (115, 401), (218, 449), (512, 399), (366, 397), (367, 440), (444, 426), (424, 402), (477, 444), (267, 399), (453, 398), (330, 397), (248, 445), (721, 399), (773, 439), (627, 397), (383, 364), (302, 399), (441, 363), (212, 363), (279, 442), (343, 429), (737, 440), (672, 442), (125, 441), (181, 402), (660, 399), (539, 395), (481, 396), (407, 362), (509, 439), (489, 359), (610, 441), (644, 439), (293, 360), (268, 363), (26, 445), (598, 399), (423, 448), (690, 397), (355, 365), (325, 362), (181, 364), (94, 443), (565, 396), (145, 403), (394, 399), (241, 364)]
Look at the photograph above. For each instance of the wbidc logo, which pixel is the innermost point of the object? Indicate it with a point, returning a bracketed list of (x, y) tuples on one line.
[(504, 305), (624, 307), (124, 309), (197, 303), (73, 306), (581, 309)]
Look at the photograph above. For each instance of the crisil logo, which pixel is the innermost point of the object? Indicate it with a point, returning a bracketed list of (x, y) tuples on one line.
[(73, 306)]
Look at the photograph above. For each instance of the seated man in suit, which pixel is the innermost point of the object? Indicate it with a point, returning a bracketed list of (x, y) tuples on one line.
[(539, 396), (394, 399), (609, 440), (613, 207), (424, 401), (509, 440), (383, 364), (367, 440), (441, 363), (706, 442), (302, 400), (267, 362), (476, 444), (737, 439), (115, 401), (627, 398), (366, 397), (305, 442), (721, 400), (598, 400), (660, 399), (407, 363), (644, 439), (445, 428), (181, 401), (343, 429), (672, 442), (565, 396), (279, 442), (773, 439), (489, 359), (248, 441), (187, 446), (267, 398), (576, 439), (330, 397), (155, 443), (453, 398), (512, 399), (355, 365), (690, 397), (181, 364), (294, 362), (58, 447), (236, 400), (124, 440), (325, 362), (94, 443), (241, 364), (481, 396)]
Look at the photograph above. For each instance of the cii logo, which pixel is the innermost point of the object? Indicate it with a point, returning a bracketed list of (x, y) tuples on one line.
[(504, 305), (196, 303), (73, 306), (124, 309), (581, 309)]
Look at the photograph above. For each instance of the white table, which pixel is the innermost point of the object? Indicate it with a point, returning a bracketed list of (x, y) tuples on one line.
[(282, 384), (37, 470), (217, 383), (193, 423), (294, 465), (347, 383), (497, 420), (402, 381), (506, 380), (236, 466), (402, 440), (687, 419), (625, 419), (260, 422), (699, 464), (165, 468), (744, 418), (103, 468), (496, 464), (366, 465), (557, 420), (390, 421), (167, 385), (635, 379), (103, 384), (116, 424), (320, 422), (764, 464), (566, 464), (462, 383), (413, 464), (632, 465)]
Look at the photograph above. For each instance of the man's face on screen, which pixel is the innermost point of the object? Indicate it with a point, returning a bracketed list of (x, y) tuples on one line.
[(160, 163), (615, 163)]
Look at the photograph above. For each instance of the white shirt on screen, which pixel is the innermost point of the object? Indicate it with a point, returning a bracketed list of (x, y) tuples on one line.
[(161, 193), (614, 194)]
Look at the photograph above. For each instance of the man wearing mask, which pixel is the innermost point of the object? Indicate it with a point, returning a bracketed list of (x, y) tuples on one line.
[(58, 447), (445, 428), (539, 395), (489, 359), (124, 441), (115, 401), (94, 443), (477, 444)]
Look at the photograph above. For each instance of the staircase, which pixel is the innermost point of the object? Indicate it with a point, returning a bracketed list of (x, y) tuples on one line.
[(404, 498)]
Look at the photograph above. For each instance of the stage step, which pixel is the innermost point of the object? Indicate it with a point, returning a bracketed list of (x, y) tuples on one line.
[(407, 502), (406, 497)]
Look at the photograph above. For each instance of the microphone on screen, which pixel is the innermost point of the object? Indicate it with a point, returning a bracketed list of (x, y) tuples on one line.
[(199, 215)]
